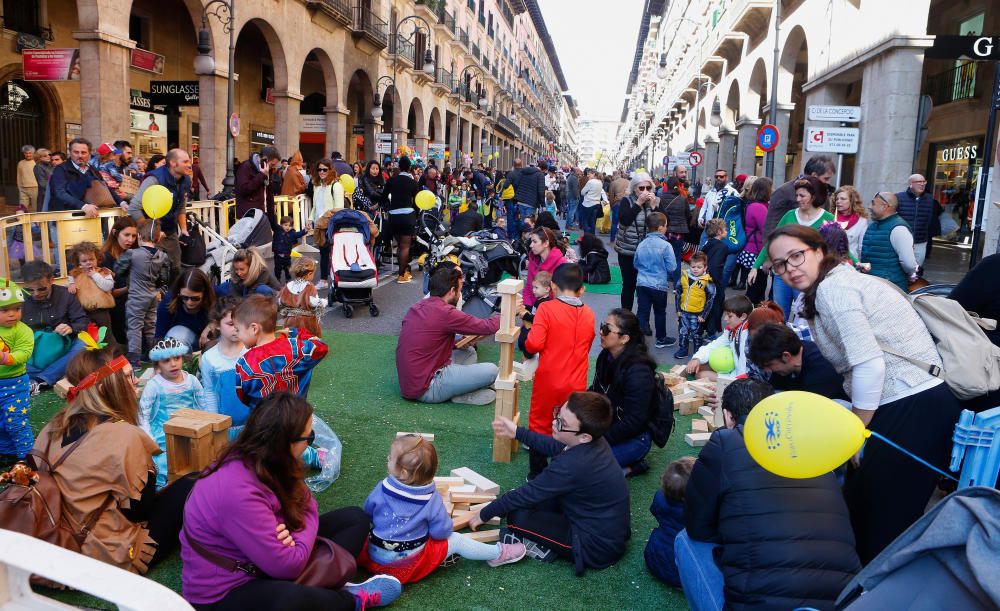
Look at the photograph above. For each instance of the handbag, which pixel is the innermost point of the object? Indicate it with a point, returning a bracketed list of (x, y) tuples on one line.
[(49, 348), (99, 195), (329, 566), (35, 507)]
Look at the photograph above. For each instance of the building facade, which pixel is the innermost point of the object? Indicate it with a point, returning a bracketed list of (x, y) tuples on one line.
[(307, 76), (711, 64), (597, 139)]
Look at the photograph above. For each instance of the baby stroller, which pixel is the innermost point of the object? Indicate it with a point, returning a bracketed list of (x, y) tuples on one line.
[(254, 229), (351, 262)]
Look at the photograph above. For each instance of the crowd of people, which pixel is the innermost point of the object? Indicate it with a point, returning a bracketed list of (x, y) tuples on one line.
[(729, 532)]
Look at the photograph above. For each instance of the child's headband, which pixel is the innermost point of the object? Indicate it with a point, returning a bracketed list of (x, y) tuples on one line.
[(96, 376)]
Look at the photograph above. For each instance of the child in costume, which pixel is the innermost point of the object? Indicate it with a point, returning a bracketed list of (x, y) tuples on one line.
[(695, 294), (16, 343), (299, 303), (411, 530), (148, 270), (218, 368), (169, 390), (92, 284)]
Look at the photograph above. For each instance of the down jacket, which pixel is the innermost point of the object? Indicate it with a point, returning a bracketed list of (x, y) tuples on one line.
[(629, 383), (785, 543)]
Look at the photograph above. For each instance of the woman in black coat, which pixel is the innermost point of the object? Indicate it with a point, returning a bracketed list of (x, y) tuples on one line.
[(626, 376)]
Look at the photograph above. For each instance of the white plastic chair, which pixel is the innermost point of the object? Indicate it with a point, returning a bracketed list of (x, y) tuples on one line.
[(22, 556)]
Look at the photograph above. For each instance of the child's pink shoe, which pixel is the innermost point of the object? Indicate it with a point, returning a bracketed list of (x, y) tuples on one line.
[(509, 554)]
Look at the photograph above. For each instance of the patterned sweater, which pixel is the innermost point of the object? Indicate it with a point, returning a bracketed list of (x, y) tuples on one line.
[(857, 313), (284, 364)]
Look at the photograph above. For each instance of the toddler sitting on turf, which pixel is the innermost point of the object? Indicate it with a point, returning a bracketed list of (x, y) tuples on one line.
[(411, 530), (668, 509)]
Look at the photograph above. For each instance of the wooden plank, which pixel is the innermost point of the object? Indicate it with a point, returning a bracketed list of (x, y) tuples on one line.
[(448, 481), (483, 484), (468, 340), (507, 384), (464, 488), (510, 286), (220, 422), (697, 440), (478, 507), (686, 407), (672, 379), (426, 436), (507, 337), (187, 427), (506, 361), (699, 426), (484, 536), (472, 497), (707, 412), (678, 370), (461, 520), (703, 388)]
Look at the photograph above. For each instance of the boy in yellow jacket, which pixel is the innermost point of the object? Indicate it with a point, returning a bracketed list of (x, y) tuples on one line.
[(695, 294)]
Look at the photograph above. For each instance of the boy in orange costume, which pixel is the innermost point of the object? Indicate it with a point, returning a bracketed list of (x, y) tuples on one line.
[(561, 334)]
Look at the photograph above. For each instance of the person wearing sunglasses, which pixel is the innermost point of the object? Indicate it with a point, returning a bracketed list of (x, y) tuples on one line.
[(183, 312), (55, 316), (250, 524), (633, 208), (327, 196), (583, 479), (874, 338), (888, 243), (108, 471)]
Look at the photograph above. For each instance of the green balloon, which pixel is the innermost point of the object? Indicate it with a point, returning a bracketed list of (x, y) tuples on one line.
[(721, 360)]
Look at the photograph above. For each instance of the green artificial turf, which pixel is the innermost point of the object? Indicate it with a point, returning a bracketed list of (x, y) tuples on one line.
[(612, 288), (355, 391)]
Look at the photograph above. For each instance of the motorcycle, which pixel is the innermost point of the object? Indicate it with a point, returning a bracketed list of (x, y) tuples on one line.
[(482, 258)]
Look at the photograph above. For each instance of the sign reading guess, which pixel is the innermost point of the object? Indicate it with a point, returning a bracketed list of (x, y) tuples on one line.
[(958, 153)]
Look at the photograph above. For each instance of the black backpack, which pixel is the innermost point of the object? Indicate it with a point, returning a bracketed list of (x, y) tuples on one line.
[(661, 412)]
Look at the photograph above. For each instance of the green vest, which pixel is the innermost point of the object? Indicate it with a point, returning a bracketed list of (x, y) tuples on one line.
[(877, 250)]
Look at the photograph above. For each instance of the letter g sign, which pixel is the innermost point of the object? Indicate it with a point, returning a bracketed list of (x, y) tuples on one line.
[(983, 47)]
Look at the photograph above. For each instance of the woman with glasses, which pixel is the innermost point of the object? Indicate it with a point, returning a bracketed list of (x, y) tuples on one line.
[(861, 324), (626, 376), (810, 193), (107, 479), (633, 208), (327, 196), (183, 312), (251, 523)]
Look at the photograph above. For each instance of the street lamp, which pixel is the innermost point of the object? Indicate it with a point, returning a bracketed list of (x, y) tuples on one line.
[(662, 72), (428, 66), (716, 117), (204, 65)]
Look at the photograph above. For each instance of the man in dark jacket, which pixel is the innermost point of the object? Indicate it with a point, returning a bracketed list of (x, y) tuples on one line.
[(467, 222), (252, 181), (340, 165), (70, 181), (572, 197), (783, 198), (794, 364), (529, 191), (755, 540), (50, 308), (916, 207), (578, 507)]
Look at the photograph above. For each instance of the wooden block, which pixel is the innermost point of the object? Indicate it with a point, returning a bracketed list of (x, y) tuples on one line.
[(678, 370), (472, 497), (507, 384), (682, 392), (686, 407), (707, 412), (482, 484), (449, 507), (468, 340), (426, 436), (699, 426), (460, 507), (187, 427), (672, 379), (220, 427), (478, 507), (444, 483), (506, 361), (697, 440), (711, 425), (703, 388), (507, 337), (510, 286), (461, 520), (62, 388), (463, 489), (484, 536)]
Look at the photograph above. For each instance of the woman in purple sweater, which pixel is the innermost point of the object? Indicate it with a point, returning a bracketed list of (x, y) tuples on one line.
[(253, 507), (758, 194)]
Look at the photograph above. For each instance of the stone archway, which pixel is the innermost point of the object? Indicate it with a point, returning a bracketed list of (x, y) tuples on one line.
[(30, 113)]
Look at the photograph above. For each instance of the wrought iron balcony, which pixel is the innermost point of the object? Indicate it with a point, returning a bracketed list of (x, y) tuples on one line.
[(340, 10), (369, 26), (958, 83)]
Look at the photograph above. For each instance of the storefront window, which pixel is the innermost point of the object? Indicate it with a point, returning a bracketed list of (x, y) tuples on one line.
[(956, 167)]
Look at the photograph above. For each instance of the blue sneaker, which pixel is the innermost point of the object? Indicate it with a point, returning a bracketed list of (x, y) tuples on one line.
[(377, 591)]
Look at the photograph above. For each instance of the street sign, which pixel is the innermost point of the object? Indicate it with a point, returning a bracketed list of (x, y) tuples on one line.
[(768, 137), (666, 160), (696, 159), (234, 125), (844, 114), (979, 48), (842, 140)]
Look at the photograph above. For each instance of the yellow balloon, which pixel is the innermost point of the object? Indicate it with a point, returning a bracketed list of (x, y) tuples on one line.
[(347, 181), (801, 435), (425, 200), (157, 201), (295, 254)]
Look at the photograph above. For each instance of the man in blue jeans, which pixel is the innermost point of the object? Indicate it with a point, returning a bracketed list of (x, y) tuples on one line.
[(529, 193), (796, 531), (50, 308)]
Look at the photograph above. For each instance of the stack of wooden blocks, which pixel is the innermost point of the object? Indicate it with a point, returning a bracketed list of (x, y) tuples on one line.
[(465, 493), (690, 397), (194, 439), (507, 381)]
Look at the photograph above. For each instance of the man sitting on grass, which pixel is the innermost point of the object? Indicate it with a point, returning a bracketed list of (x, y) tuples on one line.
[(429, 367)]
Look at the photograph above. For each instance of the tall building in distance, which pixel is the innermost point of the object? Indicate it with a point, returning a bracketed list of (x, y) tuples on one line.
[(596, 141)]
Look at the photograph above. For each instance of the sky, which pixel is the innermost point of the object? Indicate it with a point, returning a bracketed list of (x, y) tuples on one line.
[(596, 46)]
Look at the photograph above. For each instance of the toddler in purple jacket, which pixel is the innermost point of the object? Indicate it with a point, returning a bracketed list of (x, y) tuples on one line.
[(411, 530)]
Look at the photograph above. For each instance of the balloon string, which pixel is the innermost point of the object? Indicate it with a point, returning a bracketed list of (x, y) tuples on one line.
[(913, 456)]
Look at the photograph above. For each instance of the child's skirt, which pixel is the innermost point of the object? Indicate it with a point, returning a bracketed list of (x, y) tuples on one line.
[(412, 568)]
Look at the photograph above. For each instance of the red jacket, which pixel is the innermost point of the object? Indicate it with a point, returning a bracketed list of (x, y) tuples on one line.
[(427, 340)]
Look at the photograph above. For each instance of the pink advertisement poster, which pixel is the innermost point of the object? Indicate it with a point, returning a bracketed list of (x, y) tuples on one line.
[(51, 64), (146, 61)]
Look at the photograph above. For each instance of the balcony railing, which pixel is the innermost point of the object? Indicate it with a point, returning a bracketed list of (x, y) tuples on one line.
[(338, 9), (508, 125), (369, 24), (445, 78), (958, 83), (463, 36), (446, 18), (405, 49), (475, 50)]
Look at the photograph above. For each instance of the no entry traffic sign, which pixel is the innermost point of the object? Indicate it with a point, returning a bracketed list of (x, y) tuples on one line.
[(695, 158), (234, 125), (768, 137)]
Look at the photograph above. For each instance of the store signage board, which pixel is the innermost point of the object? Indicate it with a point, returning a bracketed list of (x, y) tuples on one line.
[(840, 114), (843, 140), (175, 93), (312, 124), (147, 122), (51, 64), (261, 136), (977, 48), (147, 61), (358, 129)]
